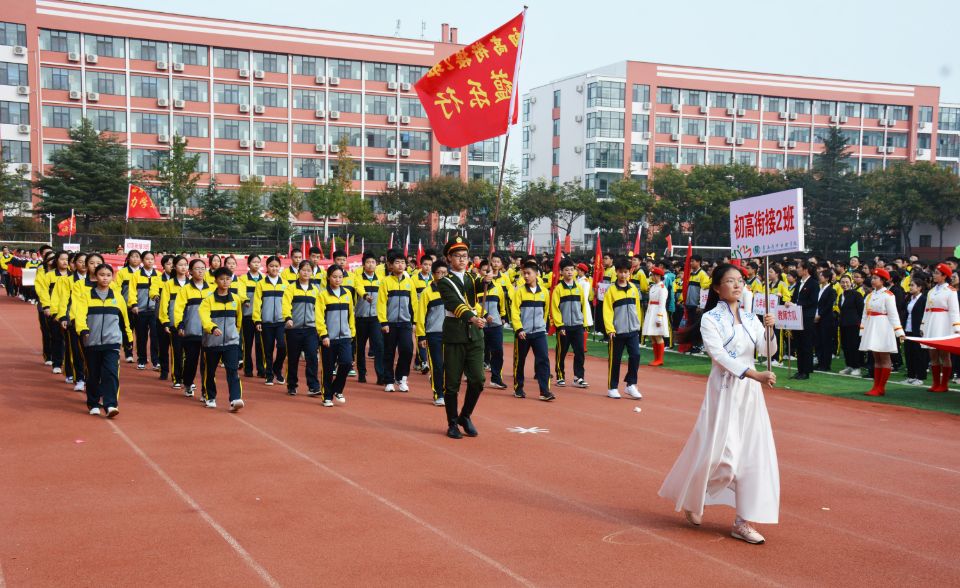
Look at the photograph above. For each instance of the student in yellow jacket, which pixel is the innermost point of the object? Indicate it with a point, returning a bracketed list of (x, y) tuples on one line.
[(143, 307), (569, 310), (300, 306), (495, 301), (268, 321), (163, 336), (59, 272), (622, 319), (252, 345), (529, 316), (62, 300), (396, 304), (123, 277), (336, 327), (186, 319), (169, 291), (221, 315)]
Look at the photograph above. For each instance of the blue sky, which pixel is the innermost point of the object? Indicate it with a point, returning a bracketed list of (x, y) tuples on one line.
[(916, 42)]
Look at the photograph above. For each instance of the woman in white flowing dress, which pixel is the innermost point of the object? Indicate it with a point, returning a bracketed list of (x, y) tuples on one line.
[(730, 458)]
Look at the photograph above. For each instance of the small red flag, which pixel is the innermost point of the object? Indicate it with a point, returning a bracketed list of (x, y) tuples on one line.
[(567, 244), (346, 245), (471, 95), (333, 246), (597, 268), (419, 250), (140, 205), (303, 246), (669, 250), (636, 243), (309, 245), (531, 247), (67, 227)]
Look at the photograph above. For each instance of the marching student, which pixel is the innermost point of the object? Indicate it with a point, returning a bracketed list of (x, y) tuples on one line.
[(252, 345), (367, 284), (63, 298), (494, 301), (268, 319), (336, 327), (569, 310), (168, 300), (123, 277), (41, 289), (622, 319), (319, 278), (396, 301), (941, 318), (59, 272), (529, 317), (186, 317), (656, 324), (214, 262), (880, 329), (421, 279), (638, 277), (164, 341), (144, 310), (101, 320), (221, 315), (300, 306), (430, 317), (292, 273)]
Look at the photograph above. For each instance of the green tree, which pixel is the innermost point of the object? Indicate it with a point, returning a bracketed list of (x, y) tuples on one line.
[(538, 200), (940, 189), (444, 195), (631, 205), (286, 201), (13, 184), (248, 207), (831, 192), (90, 177), (177, 175), (216, 217), (573, 202)]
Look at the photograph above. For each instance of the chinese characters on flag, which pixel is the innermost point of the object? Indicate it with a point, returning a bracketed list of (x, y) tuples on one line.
[(140, 205), (67, 227), (471, 95)]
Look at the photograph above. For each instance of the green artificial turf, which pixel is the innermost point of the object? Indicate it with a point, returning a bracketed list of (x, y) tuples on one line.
[(830, 384)]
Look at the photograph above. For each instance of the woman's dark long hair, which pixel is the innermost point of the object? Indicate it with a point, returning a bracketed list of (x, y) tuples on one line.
[(691, 333)]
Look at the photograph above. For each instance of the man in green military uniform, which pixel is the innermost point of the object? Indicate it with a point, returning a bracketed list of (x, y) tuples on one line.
[(462, 339)]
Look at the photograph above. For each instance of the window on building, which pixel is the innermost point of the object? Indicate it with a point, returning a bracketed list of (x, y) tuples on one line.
[(307, 167), (149, 123), (352, 134), (270, 96), (797, 161), (270, 166), (556, 98), (851, 109), (721, 99), (412, 172), (641, 93), (667, 124), (231, 164), (605, 154), (820, 134), (272, 62), (851, 135), (344, 101), (720, 157), (695, 126), (412, 107), (59, 41), (148, 87), (148, 159), (556, 127), (343, 68), (308, 134), (189, 54), (49, 149), (774, 104), (694, 97), (825, 107), (267, 131), (774, 132), (190, 126), (374, 171), (487, 173), (898, 140), (382, 105), (380, 72), (106, 83), (13, 34), (14, 113), (721, 128), (148, 50), (869, 164), (668, 96), (925, 114), (948, 119), (59, 78), (526, 138), (692, 156), (525, 164), (231, 94), (799, 134), (605, 123), (556, 156), (410, 74), (61, 117), (308, 99), (877, 111), (231, 128), (488, 150), (114, 121), (926, 241), (231, 58), (873, 138), (308, 66), (641, 123), (665, 155), (103, 46), (799, 106), (898, 112), (639, 153), (190, 90), (748, 101), (772, 161), (13, 74), (923, 140), (13, 151), (605, 94), (746, 158), (950, 165), (380, 138), (746, 130)]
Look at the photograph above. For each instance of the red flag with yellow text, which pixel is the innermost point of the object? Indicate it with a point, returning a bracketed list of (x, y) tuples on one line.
[(471, 95), (67, 227), (140, 205)]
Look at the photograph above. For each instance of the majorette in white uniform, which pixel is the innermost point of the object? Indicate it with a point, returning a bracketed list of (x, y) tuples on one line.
[(655, 322), (941, 316), (880, 324)]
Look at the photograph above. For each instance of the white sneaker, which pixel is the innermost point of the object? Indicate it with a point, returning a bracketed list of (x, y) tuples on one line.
[(613, 393), (189, 392), (48, 362), (745, 532), (632, 392), (339, 398), (95, 411), (80, 386), (129, 360), (327, 403), (212, 403), (855, 372), (112, 412), (352, 373), (235, 405), (388, 388), (68, 379), (775, 363), (402, 385), (57, 371), (439, 402), (845, 371)]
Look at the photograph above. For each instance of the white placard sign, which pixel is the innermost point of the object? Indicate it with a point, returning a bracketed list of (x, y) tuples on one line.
[(140, 245), (788, 317), (71, 247), (29, 277), (759, 305), (704, 294), (767, 225)]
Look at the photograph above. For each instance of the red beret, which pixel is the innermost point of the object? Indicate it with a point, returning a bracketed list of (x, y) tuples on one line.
[(944, 269), (882, 273), (583, 267), (656, 270)]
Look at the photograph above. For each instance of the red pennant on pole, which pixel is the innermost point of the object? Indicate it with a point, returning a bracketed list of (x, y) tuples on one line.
[(303, 245), (346, 245), (406, 244), (420, 251), (636, 243), (597, 268), (567, 244), (67, 227), (669, 250), (531, 246), (390, 246), (333, 246), (139, 204)]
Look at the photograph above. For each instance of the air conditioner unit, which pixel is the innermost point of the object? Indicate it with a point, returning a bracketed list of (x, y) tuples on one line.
[(260, 178), (244, 178), (577, 149), (731, 111), (23, 90), (881, 149), (391, 184), (577, 179), (532, 156), (405, 185), (334, 114), (675, 107), (335, 149), (23, 129), (739, 140), (320, 147), (19, 50), (793, 116), (782, 144), (164, 210), (702, 138), (391, 151), (258, 73), (163, 102), (75, 94), (578, 118), (320, 80), (783, 116), (391, 118), (704, 110), (92, 96), (178, 104), (921, 151), (244, 108), (891, 122), (834, 119), (532, 128), (259, 144), (404, 120), (405, 87), (319, 181), (791, 144), (259, 109), (645, 106), (163, 138), (580, 88), (333, 81), (455, 155), (644, 165), (393, 85), (645, 136), (675, 137), (243, 73), (533, 100), (161, 65), (924, 126), (741, 112), (404, 153), (73, 56), (843, 119), (730, 141), (675, 165), (320, 113), (177, 66), (91, 58), (891, 149), (244, 143)]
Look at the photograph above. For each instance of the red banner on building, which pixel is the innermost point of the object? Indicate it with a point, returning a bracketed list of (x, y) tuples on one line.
[(471, 95), (140, 205)]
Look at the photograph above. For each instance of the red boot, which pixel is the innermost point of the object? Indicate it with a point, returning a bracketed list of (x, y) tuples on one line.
[(880, 377), (945, 372), (935, 376), (657, 355), (874, 391)]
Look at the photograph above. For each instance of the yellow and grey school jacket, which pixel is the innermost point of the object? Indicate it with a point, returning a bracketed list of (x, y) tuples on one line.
[(168, 300), (396, 300), (621, 309), (224, 313), (568, 305), (301, 305), (42, 286), (290, 274), (60, 287), (335, 314), (79, 289), (140, 285), (248, 287), (268, 300), (366, 285), (123, 277), (319, 278), (156, 289), (431, 313), (102, 317), (529, 311), (186, 312), (494, 299), (420, 283)]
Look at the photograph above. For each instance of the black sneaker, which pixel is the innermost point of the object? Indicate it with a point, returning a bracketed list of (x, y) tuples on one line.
[(453, 431), (362, 379), (561, 382), (141, 366), (292, 391), (164, 376), (247, 374), (280, 379), (312, 393), (269, 381), (519, 394), (547, 397), (425, 369)]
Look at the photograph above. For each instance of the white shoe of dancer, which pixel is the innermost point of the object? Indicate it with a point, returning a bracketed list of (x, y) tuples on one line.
[(743, 531)]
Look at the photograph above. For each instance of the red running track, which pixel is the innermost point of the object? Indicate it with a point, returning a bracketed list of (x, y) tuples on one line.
[(288, 493)]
